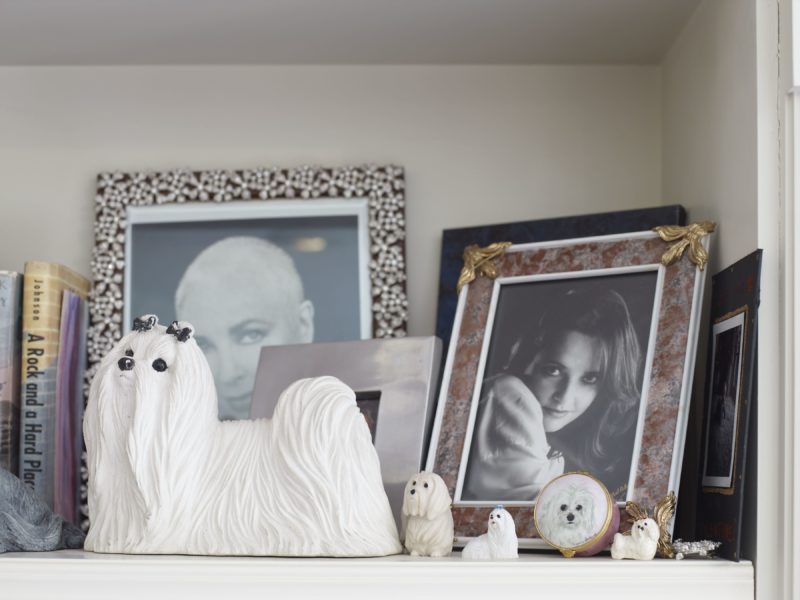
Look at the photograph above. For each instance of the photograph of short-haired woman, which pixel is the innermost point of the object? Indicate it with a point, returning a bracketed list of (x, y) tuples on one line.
[(562, 386)]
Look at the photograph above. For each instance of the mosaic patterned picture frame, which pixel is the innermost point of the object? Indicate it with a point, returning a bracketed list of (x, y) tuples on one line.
[(383, 187), (489, 426)]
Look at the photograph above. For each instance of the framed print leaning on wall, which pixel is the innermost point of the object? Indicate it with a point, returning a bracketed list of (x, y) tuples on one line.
[(574, 355), (151, 227), (730, 403)]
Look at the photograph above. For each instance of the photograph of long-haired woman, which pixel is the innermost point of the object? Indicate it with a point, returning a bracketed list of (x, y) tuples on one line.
[(562, 385)]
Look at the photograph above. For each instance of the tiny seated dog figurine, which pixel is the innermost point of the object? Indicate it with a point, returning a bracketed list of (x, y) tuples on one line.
[(499, 542), (641, 544), (426, 520), (166, 476)]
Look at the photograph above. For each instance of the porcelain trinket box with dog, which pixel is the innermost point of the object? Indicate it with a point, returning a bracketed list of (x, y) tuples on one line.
[(575, 514)]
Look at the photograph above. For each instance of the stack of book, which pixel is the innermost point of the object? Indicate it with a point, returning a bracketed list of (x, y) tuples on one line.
[(43, 319)]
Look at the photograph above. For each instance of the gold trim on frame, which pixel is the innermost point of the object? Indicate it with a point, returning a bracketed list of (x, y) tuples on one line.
[(689, 237), (730, 491), (571, 552), (479, 261)]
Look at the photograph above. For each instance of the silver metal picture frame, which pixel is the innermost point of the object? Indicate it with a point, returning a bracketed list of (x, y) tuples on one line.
[(395, 383)]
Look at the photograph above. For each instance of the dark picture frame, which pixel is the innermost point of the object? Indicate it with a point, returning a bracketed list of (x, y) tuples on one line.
[(730, 403), (666, 383)]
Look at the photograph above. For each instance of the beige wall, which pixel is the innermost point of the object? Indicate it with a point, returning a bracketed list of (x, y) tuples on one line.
[(710, 165), (709, 124), (479, 144)]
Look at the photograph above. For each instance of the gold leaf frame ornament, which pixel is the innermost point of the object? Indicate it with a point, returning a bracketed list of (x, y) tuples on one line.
[(479, 261), (662, 515), (689, 237)]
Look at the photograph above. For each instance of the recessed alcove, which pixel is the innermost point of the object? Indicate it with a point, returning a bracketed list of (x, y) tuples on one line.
[(499, 110)]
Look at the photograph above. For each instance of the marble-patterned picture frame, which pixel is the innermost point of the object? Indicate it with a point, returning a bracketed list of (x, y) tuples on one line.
[(381, 187), (578, 355)]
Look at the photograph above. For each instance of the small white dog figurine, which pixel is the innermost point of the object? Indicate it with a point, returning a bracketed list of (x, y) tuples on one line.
[(166, 476), (641, 544), (499, 542), (426, 520), (566, 518)]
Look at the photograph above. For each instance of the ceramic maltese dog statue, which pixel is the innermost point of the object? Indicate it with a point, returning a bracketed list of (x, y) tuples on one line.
[(166, 476), (499, 542), (426, 519), (641, 544)]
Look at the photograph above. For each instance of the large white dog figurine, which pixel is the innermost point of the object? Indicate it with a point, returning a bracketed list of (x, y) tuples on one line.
[(426, 519), (499, 542), (641, 544), (166, 476)]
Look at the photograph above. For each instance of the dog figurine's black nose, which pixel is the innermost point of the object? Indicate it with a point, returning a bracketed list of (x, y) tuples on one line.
[(125, 363), (570, 517), (412, 491)]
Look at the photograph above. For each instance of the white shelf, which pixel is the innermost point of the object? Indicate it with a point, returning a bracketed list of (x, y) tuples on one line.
[(83, 575)]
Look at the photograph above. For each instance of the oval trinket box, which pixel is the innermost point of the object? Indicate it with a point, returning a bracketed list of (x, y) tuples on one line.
[(575, 514)]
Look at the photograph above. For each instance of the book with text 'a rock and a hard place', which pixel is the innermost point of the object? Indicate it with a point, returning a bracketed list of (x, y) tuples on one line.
[(42, 302)]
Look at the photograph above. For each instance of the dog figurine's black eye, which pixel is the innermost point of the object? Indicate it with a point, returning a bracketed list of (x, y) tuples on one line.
[(413, 483), (563, 507), (159, 365), (129, 352), (125, 363), (579, 507), (425, 485)]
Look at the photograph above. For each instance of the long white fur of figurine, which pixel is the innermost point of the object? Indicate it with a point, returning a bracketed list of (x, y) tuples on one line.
[(167, 477)]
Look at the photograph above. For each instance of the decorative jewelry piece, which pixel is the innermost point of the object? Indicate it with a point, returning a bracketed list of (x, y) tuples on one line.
[(702, 549), (662, 515), (478, 261), (686, 237)]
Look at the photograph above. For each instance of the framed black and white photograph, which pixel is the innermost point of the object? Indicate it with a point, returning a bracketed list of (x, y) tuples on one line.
[(563, 372), (248, 275), (724, 400), (250, 258), (572, 355)]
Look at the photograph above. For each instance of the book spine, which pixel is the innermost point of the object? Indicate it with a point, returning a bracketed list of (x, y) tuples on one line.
[(70, 372), (43, 287), (10, 331)]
